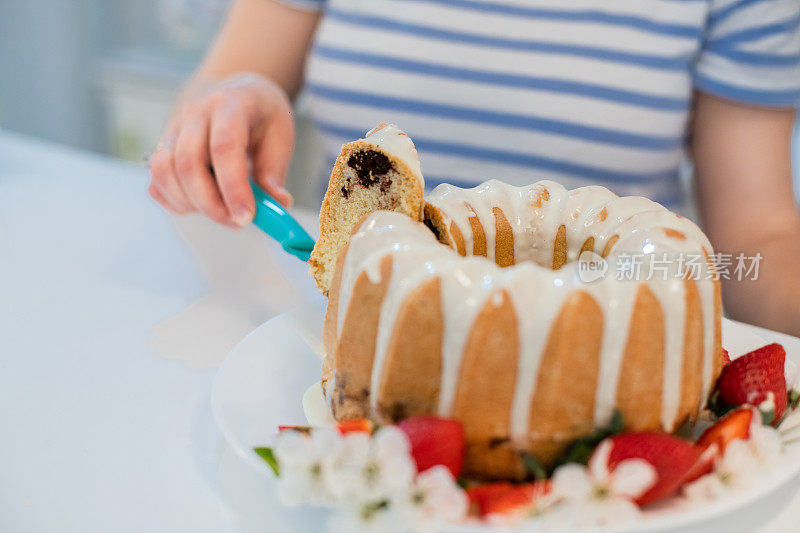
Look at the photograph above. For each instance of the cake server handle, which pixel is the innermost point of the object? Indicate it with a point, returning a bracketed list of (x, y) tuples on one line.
[(271, 218)]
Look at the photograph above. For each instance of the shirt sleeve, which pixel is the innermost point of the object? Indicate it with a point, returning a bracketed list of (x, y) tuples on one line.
[(307, 5), (751, 52)]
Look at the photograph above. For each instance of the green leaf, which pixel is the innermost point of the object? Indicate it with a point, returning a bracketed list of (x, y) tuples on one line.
[(534, 466), (269, 457), (369, 510), (794, 398), (581, 450), (718, 407), (767, 416)]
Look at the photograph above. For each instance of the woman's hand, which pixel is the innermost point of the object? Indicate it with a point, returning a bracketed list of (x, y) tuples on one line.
[(220, 131)]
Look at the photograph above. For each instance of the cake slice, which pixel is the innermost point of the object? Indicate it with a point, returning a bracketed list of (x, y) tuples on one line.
[(378, 172)]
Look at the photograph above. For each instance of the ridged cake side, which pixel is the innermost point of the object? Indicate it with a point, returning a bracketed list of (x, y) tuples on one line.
[(527, 357)]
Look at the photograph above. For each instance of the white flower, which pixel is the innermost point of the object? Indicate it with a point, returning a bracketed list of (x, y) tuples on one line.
[(306, 463), (590, 513), (733, 471), (375, 519), (791, 422), (542, 501), (630, 479), (765, 443), (596, 495), (433, 500), (372, 469), (742, 462)]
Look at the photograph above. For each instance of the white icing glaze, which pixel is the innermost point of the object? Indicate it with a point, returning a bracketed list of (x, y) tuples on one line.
[(536, 291), (533, 289), (706, 291), (617, 303), (671, 295), (393, 140)]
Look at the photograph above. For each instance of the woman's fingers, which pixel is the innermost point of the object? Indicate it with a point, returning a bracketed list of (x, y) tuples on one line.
[(164, 186), (273, 152), (228, 140), (158, 195), (241, 120), (192, 167)]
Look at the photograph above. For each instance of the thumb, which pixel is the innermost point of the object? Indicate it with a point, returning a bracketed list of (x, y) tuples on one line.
[(272, 154)]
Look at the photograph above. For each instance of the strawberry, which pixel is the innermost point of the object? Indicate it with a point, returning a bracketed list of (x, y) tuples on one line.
[(356, 425), (726, 358), (435, 441), (671, 457), (480, 495), (504, 497), (734, 425), (714, 440), (347, 426), (753, 379), (301, 429)]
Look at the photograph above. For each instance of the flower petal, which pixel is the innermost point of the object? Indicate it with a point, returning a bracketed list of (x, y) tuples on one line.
[(598, 464), (325, 440), (444, 500), (738, 461), (571, 481), (293, 447), (632, 478), (390, 441)]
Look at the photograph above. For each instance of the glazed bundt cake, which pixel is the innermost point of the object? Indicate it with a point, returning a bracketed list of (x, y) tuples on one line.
[(380, 171), (481, 314)]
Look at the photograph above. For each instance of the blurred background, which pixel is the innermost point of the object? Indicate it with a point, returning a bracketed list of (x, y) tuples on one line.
[(101, 75)]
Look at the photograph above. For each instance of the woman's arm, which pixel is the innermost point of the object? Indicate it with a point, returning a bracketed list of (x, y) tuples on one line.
[(263, 37), (742, 158), (234, 114)]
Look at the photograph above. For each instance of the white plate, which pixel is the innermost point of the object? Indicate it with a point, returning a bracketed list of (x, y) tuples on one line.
[(260, 386)]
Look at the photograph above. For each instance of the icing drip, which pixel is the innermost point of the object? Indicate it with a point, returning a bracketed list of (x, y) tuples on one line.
[(532, 288), (616, 299), (671, 296), (535, 213), (371, 236), (410, 269), (390, 138), (706, 291)]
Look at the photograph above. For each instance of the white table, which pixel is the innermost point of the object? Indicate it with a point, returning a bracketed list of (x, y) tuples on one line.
[(112, 320)]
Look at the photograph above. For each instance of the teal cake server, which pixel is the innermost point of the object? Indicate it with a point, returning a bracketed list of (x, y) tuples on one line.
[(275, 221)]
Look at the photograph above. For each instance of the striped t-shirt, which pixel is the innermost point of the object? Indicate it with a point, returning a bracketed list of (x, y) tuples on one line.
[(577, 91)]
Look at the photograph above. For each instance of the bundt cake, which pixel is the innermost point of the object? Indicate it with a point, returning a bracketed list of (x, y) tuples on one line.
[(482, 314), (380, 171)]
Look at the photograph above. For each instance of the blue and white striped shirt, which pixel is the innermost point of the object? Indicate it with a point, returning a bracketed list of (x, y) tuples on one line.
[(578, 91)]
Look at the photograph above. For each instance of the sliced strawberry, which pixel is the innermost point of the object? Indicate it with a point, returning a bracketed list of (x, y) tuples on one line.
[(479, 495), (435, 441), (301, 429), (671, 457), (734, 425), (361, 425), (714, 440), (726, 358), (503, 497), (756, 379), (703, 466)]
